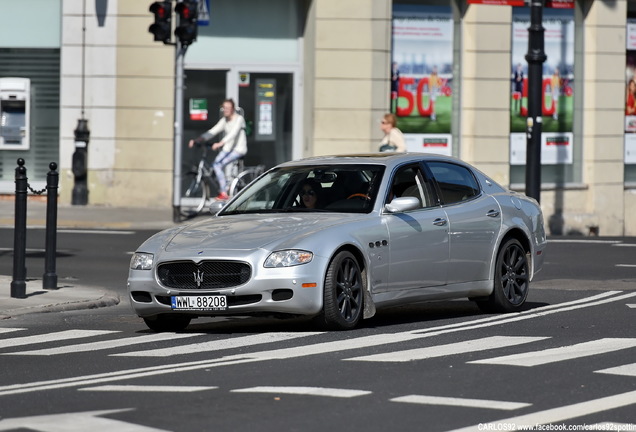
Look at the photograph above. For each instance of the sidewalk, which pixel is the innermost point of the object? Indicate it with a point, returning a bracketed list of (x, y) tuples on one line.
[(71, 297)]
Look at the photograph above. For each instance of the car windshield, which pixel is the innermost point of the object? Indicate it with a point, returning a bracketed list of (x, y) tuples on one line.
[(325, 188)]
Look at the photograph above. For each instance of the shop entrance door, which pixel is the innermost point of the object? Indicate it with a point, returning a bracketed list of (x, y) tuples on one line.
[(267, 101)]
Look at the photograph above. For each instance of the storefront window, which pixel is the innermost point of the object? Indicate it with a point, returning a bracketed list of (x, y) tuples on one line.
[(560, 143), (422, 75)]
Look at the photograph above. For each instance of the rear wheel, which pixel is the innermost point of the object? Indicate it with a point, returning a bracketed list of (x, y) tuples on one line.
[(196, 194), (167, 323), (512, 280), (344, 292)]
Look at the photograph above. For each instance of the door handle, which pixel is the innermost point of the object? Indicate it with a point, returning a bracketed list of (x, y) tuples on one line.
[(493, 213), (439, 222)]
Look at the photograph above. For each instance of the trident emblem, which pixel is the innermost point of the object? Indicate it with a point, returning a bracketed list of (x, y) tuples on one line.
[(198, 277)]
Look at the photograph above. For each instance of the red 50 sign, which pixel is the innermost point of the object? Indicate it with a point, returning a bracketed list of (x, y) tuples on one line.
[(428, 88)]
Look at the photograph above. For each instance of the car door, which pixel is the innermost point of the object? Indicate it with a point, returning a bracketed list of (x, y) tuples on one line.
[(418, 239), (474, 221)]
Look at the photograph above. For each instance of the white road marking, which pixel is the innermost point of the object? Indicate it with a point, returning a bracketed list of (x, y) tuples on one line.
[(633, 306), (625, 244), (554, 355), (218, 345), (77, 421), (8, 330), (308, 391), (52, 337), (103, 345), (563, 413), (148, 388), (461, 402), (302, 351), (88, 231), (627, 370), (473, 345), (626, 265)]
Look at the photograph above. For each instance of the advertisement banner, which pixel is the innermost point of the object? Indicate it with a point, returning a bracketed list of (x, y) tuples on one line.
[(630, 93), (265, 121), (499, 2), (198, 109), (557, 95), (422, 75), (560, 4)]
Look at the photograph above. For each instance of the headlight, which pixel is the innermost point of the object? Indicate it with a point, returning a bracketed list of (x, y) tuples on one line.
[(288, 258), (141, 261)]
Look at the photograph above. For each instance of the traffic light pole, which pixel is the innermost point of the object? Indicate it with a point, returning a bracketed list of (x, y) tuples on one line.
[(534, 123), (178, 130)]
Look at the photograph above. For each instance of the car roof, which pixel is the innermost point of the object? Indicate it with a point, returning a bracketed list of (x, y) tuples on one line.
[(386, 159)]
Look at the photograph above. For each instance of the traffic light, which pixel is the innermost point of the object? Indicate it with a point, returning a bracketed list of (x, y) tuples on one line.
[(186, 30), (163, 21)]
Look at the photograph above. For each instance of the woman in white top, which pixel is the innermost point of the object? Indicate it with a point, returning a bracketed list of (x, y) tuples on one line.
[(233, 143), (393, 140)]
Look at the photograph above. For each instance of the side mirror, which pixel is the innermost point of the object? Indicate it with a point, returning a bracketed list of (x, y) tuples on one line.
[(216, 206), (399, 205)]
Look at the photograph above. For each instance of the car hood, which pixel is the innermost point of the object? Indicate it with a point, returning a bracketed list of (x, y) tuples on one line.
[(245, 232)]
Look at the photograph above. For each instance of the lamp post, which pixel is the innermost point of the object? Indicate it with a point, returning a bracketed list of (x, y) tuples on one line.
[(534, 123)]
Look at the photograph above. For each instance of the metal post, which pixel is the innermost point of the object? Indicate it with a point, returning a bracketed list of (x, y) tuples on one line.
[(49, 279), (178, 129), (18, 284), (535, 58), (80, 163)]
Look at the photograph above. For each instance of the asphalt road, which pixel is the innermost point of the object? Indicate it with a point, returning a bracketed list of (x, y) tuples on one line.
[(567, 361)]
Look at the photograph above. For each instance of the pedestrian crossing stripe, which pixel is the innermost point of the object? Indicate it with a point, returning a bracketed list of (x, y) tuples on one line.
[(53, 337), (473, 345), (461, 402), (308, 391), (149, 388), (561, 414), (552, 355), (219, 345), (625, 370), (109, 344)]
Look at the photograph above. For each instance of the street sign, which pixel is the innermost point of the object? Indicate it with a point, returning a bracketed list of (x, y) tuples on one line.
[(204, 12)]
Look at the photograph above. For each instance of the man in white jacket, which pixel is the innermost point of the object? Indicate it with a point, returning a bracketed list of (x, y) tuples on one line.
[(233, 143)]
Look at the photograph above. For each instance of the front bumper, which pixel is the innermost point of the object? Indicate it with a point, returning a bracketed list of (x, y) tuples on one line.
[(296, 290)]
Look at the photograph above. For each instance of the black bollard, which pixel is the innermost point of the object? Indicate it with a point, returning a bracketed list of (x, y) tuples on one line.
[(49, 279), (18, 284)]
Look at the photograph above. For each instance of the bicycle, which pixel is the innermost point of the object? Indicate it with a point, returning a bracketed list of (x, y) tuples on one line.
[(202, 184)]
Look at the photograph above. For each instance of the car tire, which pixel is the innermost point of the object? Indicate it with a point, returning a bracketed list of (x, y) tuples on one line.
[(343, 297), (511, 280), (167, 323)]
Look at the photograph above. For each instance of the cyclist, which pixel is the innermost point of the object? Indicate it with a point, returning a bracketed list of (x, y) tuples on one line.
[(233, 143)]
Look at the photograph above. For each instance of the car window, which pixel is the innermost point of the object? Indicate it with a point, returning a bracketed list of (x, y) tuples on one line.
[(337, 188), (409, 182), (456, 183)]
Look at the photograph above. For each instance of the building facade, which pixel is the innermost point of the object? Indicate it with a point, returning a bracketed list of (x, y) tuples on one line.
[(331, 69)]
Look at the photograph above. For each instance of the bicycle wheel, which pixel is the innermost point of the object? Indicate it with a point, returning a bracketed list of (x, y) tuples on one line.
[(196, 194), (242, 180)]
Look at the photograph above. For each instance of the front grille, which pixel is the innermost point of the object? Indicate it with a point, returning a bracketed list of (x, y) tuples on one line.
[(205, 275)]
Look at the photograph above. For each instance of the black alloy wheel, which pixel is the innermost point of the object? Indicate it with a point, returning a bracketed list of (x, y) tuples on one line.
[(344, 292)]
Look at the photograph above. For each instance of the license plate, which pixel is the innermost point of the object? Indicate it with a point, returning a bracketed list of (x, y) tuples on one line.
[(211, 302)]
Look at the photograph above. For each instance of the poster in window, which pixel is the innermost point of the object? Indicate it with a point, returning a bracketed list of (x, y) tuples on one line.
[(557, 95), (265, 127), (422, 76)]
